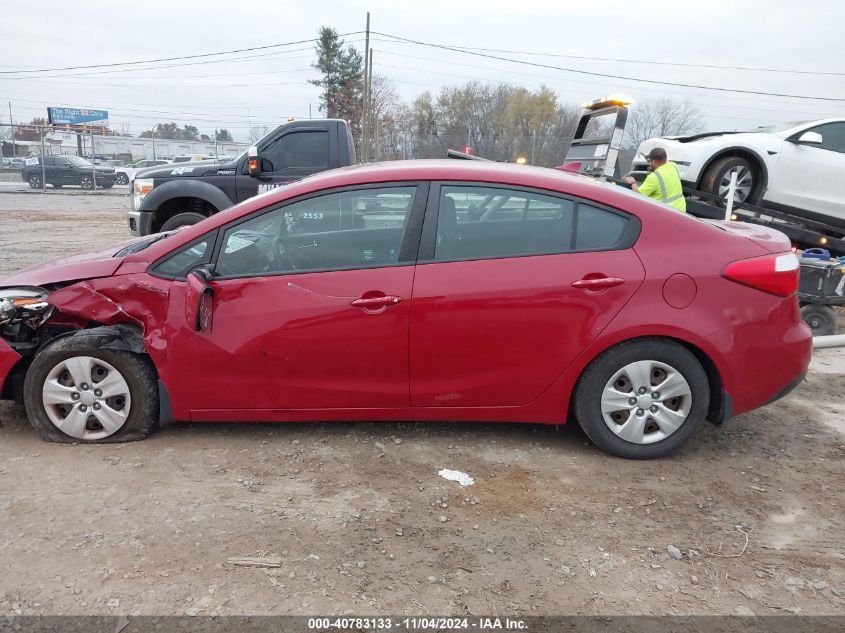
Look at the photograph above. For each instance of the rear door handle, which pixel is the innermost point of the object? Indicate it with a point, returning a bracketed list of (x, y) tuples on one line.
[(371, 303), (600, 283)]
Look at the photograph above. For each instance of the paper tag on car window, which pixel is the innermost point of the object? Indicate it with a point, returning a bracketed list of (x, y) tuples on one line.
[(236, 243), (32, 161)]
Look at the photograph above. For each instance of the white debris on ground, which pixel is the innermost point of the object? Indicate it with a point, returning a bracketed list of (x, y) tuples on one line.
[(456, 475)]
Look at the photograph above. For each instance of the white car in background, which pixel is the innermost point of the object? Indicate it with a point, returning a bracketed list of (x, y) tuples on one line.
[(798, 167), (127, 172)]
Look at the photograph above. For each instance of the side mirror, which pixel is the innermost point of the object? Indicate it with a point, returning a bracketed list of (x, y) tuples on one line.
[(810, 138), (199, 299), (253, 162)]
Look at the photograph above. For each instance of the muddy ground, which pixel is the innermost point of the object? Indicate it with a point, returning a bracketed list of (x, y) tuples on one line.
[(363, 524)]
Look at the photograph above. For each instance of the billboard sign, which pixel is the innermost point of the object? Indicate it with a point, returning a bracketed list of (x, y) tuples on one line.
[(77, 116)]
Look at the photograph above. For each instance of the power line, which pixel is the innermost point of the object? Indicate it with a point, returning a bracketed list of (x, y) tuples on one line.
[(170, 59), (642, 61), (795, 108), (597, 74)]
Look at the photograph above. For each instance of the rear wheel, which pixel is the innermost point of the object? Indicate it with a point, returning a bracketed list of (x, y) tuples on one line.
[(122, 179), (642, 399), (34, 181), (821, 319), (77, 392), (717, 179), (182, 219)]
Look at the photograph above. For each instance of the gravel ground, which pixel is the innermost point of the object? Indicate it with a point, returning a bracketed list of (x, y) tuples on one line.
[(747, 519)]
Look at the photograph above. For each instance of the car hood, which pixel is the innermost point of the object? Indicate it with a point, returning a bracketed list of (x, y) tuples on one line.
[(85, 265), (187, 169)]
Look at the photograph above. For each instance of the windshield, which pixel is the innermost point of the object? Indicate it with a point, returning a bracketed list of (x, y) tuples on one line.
[(76, 161)]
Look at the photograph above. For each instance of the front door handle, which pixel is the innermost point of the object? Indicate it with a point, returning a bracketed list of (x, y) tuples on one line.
[(597, 283), (373, 303)]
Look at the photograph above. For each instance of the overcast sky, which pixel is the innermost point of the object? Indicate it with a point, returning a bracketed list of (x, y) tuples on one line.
[(264, 90)]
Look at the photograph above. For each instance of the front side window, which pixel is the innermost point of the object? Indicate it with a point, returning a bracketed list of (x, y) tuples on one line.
[(362, 228), (477, 222), (833, 136), (308, 150), (183, 261)]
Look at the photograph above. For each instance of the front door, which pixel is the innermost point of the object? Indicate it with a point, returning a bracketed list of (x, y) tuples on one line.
[(310, 308), (517, 285), (809, 176), (292, 155)]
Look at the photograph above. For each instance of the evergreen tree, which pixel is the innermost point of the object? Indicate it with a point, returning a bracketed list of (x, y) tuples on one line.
[(342, 71)]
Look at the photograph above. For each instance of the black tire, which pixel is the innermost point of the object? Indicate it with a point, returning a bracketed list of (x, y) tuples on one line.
[(86, 182), (135, 368), (722, 168), (122, 179), (182, 219), (108, 186), (57, 186), (591, 384), (34, 181), (820, 318)]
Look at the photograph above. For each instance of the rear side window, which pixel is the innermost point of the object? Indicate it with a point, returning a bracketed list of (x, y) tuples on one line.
[(477, 222)]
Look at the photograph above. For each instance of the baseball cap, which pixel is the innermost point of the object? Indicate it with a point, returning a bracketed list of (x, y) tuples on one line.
[(657, 153)]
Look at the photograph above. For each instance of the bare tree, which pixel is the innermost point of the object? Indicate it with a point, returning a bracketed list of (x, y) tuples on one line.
[(385, 120), (661, 117)]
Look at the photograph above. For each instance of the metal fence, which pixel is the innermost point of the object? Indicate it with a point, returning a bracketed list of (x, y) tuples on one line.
[(22, 143)]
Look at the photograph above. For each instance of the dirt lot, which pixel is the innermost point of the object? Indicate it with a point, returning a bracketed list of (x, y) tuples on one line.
[(363, 523)]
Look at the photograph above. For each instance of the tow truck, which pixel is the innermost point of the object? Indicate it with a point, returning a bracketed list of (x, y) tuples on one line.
[(594, 152)]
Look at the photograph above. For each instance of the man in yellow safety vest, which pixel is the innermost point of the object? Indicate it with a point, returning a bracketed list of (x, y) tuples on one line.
[(663, 183)]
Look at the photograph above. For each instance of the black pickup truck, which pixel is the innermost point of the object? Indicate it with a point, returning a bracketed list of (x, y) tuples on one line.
[(166, 197)]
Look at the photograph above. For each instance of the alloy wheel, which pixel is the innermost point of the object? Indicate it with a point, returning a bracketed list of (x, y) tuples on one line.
[(86, 182), (86, 398), (35, 182), (744, 183), (646, 401)]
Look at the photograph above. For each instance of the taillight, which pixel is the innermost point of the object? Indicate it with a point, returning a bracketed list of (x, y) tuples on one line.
[(775, 274)]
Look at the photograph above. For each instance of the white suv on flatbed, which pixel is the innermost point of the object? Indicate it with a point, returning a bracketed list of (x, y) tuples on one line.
[(798, 168)]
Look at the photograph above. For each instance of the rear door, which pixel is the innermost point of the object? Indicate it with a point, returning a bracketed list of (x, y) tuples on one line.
[(512, 284)]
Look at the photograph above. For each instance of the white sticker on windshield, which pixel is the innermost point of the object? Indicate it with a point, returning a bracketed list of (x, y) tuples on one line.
[(32, 161)]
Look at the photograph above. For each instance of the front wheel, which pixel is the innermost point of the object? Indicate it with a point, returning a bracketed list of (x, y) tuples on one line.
[(182, 219), (86, 182), (77, 392), (642, 399), (34, 181)]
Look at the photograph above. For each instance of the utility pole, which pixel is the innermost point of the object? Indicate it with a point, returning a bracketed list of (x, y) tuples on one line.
[(366, 104), (216, 151), (309, 111), (533, 144), (371, 130), (12, 122), (153, 136), (93, 164)]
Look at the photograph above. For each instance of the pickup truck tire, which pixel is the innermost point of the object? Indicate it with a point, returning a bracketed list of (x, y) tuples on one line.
[(718, 175), (65, 403), (182, 219), (122, 179), (34, 181)]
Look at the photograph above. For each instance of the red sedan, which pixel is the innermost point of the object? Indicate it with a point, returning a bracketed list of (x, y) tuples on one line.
[(415, 290)]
